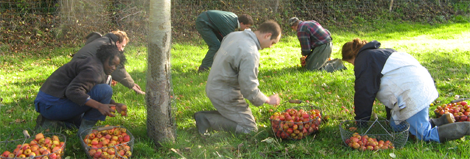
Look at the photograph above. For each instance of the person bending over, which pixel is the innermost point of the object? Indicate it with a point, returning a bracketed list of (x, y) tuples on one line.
[(214, 25), (405, 87), (234, 78), (316, 46)]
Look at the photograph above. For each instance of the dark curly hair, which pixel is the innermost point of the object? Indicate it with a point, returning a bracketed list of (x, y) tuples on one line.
[(106, 52), (123, 58)]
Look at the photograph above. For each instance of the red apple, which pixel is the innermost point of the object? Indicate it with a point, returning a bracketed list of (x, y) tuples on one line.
[(107, 136), (115, 138), (53, 156), (111, 151), (463, 103), (126, 138), (39, 136), (97, 154), (5, 154)]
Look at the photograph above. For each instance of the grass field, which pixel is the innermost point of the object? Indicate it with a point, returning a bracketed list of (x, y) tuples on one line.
[(443, 49)]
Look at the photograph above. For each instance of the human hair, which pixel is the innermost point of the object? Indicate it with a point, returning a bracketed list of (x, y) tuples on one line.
[(294, 21), (121, 35), (245, 19), (272, 27), (123, 58), (350, 49), (106, 52)]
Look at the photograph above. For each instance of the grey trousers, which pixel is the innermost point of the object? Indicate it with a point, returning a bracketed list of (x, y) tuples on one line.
[(318, 59)]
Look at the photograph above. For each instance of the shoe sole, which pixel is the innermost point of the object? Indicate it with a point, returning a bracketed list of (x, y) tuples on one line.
[(450, 118)]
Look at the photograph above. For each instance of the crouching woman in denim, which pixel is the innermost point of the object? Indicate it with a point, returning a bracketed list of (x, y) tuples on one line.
[(77, 94), (405, 87)]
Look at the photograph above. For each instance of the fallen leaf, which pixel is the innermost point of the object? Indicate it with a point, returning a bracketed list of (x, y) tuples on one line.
[(268, 140)]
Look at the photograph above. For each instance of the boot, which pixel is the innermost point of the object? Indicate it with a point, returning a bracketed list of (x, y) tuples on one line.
[(453, 131), (202, 69), (334, 65), (444, 119), (43, 123), (206, 120), (85, 127)]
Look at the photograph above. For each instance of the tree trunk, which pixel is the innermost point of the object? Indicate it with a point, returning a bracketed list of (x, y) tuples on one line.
[(276, 7), (161, 126)]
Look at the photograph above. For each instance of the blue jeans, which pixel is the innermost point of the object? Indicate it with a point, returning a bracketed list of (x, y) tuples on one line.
[(65, 110), (420, 126)]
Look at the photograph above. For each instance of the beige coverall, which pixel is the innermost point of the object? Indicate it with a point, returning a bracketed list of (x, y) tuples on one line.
[(234, 78)]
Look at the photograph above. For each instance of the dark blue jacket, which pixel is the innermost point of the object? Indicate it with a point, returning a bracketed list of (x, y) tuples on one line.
[(368, 66)]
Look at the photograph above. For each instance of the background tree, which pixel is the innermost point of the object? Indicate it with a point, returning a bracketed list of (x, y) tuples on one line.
[(161, 126)]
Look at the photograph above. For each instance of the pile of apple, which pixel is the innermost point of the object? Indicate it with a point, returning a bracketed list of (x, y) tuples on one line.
[(460, 110), (110, 143), (363, 142), (40, 147), (295, 124)]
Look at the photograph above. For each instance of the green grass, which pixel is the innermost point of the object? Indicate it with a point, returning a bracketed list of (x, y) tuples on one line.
[(443, 49)]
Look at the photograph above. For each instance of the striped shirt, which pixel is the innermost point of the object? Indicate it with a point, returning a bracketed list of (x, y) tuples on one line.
[(311, 34)]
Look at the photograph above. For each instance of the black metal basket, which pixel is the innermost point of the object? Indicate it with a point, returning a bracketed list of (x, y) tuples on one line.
[(378, 129)]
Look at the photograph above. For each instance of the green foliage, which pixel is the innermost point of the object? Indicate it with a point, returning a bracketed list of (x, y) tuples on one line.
[(462, 6), (460, 19), (441, 48)]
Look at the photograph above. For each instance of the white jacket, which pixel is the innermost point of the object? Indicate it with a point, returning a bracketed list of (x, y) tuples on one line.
[(406, 87)]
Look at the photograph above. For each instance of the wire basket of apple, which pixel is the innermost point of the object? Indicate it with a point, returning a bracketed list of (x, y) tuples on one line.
[(39, 145), (108, 142), (460, 110), (296, 123), (373, 135)]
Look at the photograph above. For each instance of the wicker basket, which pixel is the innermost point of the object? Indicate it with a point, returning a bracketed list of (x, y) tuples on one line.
[(378, 129), (121, 144), (297, 129), (47, 147)]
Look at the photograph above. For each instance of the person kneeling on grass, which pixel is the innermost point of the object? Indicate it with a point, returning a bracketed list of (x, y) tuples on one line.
[(234, 77), (77, 94), (316, 46), (405, 87)]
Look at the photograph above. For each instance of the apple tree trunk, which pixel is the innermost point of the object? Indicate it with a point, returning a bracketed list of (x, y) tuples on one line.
[(161, 126)]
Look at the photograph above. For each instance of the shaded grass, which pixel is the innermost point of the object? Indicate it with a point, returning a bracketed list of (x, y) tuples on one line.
[(443, 49)]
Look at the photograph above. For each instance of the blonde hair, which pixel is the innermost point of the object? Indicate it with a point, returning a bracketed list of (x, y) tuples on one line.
[(350, 49), (121, 35)]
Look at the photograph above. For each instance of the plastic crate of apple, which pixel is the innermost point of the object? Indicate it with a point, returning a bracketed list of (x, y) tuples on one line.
[(43, 146), (364, 142), (460, 110), (296, 123), (108, 142)]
